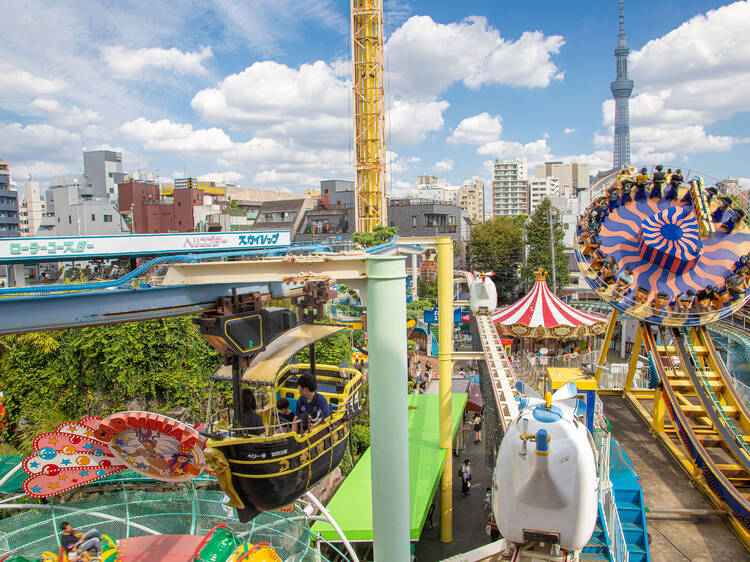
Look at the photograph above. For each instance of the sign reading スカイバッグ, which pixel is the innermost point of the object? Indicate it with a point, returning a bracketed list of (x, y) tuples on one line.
[(64, 248)]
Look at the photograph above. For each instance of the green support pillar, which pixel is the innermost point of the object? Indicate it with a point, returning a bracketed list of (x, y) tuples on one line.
[(386, 336)]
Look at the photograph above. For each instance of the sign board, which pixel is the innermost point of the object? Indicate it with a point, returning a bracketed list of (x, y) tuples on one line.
[(431, 316), (68, 248)]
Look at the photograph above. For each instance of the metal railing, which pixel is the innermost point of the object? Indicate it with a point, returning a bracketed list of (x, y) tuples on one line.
[(618, 547)]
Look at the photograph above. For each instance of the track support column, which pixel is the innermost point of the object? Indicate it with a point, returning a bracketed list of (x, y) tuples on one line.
[(633, 363), (445, 370), (386, 326), (659, 410), (605, 343)]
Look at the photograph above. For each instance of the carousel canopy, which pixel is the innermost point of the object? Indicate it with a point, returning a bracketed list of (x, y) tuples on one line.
[(540, 314)]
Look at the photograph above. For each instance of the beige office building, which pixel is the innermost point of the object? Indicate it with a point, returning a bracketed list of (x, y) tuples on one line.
[(573, 176), (471, 199), (510, 187)]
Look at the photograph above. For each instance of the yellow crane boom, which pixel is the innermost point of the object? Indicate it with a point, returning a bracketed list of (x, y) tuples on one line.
[(369, 115)]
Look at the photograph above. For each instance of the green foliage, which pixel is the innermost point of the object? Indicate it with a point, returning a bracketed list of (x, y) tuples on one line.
[(497, 245), (379, 235), (331, 351), (233, 205), (540, 251), (427, 290), (415, 309), (411, 347), (50, 377), (360, 439)]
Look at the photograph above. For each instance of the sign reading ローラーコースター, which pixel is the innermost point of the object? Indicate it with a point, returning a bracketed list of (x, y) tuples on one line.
[(65, 248)]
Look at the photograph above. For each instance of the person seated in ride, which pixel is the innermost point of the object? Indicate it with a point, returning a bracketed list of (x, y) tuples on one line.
[(76, 545), (627, 188), (641, 181), (658, 179), (252, 423), (688, 197), (609, 270), (736, 283), (625, 280), (613, 198), (711, 192), (286, 416), (684, 301), (720, 296), (735, 217), (597, 260), (724, 204), (675, 180), (591, 246), (312, 407), (705, 298), (741, 262)]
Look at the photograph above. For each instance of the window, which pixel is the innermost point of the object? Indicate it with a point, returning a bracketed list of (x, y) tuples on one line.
[(107, 218), (93, 217), (179, 204), (70, 219), (179, 222)]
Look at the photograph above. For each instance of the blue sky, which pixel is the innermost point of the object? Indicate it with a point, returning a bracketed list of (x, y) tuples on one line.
[(257, 91)]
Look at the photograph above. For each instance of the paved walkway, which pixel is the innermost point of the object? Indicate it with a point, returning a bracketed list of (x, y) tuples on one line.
[(665, 486), (469, 517)]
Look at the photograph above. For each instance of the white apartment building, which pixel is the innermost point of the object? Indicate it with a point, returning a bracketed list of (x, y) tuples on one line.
[(573, 176), (32, 209), (471, 199), (539, 188), (432, 188), (510, 187)]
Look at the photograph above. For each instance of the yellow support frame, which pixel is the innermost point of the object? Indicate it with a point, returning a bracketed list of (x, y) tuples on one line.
[(370, 208), (605, 344)]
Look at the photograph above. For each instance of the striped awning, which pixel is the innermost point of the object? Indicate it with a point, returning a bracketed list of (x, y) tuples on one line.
[(541, 314)]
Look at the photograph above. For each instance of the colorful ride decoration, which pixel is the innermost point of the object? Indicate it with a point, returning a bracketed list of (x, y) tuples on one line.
[(540, 314), (221, 544), (674, 245), (67, 458), (154, 445)]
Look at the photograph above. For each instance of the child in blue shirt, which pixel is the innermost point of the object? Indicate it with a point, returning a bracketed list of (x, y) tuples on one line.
[(312, 408)]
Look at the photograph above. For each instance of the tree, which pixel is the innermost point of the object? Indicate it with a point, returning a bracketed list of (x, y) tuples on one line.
[(497, 245), (540, 252), (379, 235)]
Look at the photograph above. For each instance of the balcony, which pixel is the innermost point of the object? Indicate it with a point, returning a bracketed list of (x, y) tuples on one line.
[(446, 229)]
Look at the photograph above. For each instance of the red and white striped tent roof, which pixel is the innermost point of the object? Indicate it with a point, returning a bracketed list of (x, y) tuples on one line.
[(541, 314)]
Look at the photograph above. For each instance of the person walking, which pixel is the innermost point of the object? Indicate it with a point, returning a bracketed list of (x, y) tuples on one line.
[(477, 422), (465, 473)]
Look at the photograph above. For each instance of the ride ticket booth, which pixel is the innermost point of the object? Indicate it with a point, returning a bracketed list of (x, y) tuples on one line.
[(560, 376)]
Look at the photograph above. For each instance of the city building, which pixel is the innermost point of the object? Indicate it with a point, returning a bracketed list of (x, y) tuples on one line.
[(9, 220), (332, 216), (149, 212), (510, 187), (433, 188), (33, 209), (283, 215), (539, 188), (621, 90), (232, 192), (471, 199), (103, 171), (573, 177), (421, 217)]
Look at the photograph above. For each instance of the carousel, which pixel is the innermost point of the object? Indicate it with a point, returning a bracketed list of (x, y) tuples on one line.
[(543, 322)]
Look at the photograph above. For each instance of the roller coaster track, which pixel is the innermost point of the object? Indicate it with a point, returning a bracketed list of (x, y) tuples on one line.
[(497, 365), (709, 420)]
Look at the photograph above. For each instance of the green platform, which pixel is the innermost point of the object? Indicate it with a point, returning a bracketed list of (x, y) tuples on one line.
[(351, 506)]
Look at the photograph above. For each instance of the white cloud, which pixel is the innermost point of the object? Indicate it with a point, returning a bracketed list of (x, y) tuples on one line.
[(276, 178), (445, 165), (479, 129), (411, 121), (400, 188), (19, 81), (63, 115), (569, 130), (535, 151), (132, 63), (427, 57), (167, 135), (18, 141), (230, 176)]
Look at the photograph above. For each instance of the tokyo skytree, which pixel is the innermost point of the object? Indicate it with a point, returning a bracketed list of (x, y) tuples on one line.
[(621, 89)]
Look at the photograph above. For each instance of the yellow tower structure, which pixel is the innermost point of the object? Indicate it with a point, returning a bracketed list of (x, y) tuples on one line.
[(370, 207)]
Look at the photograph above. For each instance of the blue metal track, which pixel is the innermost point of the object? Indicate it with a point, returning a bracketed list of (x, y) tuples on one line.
[(49, 307)]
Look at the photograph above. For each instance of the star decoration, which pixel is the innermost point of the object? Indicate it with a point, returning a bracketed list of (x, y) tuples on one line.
[(36, 489), (53, 441), (88, 446), (74, 480), (65, 462), (62, 477), (72, 429), (33, 464), (84, 473), (54, 485), (89, 433)]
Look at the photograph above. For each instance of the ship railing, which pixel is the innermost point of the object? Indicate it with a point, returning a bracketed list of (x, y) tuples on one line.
[(614, 375)]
